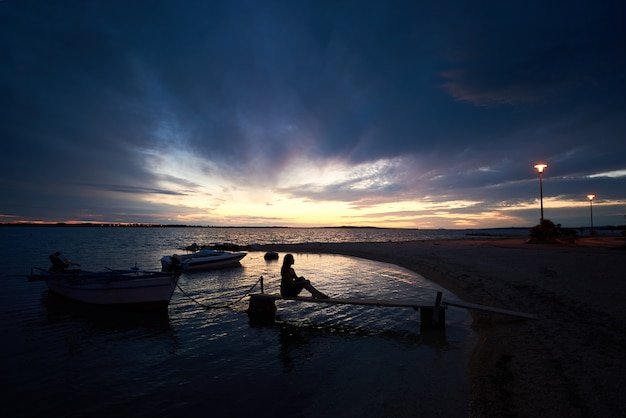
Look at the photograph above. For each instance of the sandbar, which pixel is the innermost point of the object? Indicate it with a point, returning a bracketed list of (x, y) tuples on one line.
[(571, 361)]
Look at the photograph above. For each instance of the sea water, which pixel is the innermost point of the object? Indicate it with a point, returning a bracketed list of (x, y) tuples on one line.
[(202, 356)]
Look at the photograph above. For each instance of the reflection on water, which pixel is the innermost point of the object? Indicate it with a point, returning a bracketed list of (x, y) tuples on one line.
[(104, 319), (202, 356), (294, 337)]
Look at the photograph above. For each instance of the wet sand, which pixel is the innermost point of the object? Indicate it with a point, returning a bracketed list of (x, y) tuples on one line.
[(569, 362)]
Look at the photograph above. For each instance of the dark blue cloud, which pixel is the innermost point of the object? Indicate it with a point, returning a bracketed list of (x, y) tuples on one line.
[(472, 93)]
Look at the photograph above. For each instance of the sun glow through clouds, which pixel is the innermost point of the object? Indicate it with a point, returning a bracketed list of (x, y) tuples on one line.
[(318, 192)]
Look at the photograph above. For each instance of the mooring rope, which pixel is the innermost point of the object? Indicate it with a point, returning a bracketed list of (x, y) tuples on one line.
[(228, 305)]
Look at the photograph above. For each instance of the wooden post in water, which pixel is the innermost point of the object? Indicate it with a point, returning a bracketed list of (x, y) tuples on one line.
[(436, 308), (261, 308), (435, 317)]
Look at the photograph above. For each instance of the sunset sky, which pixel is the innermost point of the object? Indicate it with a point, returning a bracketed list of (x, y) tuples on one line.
[(407, 114)]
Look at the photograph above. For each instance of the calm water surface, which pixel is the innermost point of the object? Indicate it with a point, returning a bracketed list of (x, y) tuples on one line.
[(202, 357)]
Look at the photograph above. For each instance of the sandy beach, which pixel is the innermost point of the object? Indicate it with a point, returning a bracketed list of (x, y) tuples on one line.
[(569, 362)]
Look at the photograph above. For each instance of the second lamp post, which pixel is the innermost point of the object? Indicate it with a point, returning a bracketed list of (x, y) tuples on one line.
[(540, 168), (590, 197)]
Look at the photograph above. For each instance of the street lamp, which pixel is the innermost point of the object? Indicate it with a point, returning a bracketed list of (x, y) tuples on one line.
[(590, 197), (540, 168)]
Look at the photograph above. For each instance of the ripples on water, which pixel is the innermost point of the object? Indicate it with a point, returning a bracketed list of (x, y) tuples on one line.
[(65, 358)]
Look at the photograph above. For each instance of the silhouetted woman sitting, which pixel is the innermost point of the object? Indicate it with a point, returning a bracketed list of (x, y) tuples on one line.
[(291, 285)]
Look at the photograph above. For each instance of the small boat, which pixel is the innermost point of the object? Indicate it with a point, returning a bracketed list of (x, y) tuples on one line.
[(131, 287), (201, 260)]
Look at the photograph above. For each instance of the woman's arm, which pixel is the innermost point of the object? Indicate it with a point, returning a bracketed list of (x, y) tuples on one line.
[(289, 275)]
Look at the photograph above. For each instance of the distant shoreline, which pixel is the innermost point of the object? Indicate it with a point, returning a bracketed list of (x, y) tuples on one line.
[(146, 225)]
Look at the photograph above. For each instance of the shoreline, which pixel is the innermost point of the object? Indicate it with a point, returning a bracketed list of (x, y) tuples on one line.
[(570, 361)]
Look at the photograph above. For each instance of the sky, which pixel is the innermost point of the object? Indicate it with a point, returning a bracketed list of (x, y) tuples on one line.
[(401, 114)]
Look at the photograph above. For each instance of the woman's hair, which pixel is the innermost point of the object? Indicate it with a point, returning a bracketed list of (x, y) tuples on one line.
[(288, 259), (287, 262)]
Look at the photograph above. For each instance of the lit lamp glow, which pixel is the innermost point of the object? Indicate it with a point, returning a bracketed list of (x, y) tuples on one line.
[(590, 197), (540, 168)]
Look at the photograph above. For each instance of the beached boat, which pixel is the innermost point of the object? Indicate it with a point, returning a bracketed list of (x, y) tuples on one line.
[(131, 287), (201, 260)]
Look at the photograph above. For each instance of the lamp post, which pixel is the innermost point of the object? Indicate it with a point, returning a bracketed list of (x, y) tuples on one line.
[(590, 197), (540, 168)]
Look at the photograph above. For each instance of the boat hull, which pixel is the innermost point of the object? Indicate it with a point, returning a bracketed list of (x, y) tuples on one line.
[(140, 290), (201, 261)]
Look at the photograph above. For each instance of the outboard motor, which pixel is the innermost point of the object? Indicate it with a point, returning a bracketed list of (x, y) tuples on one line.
[(175, 262), (59, 262)]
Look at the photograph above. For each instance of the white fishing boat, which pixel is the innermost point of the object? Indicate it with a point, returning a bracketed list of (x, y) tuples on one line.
[(112, 287), (201, 260)]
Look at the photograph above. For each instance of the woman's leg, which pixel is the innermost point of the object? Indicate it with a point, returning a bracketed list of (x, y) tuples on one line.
[(316, 293), (291, 291)]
